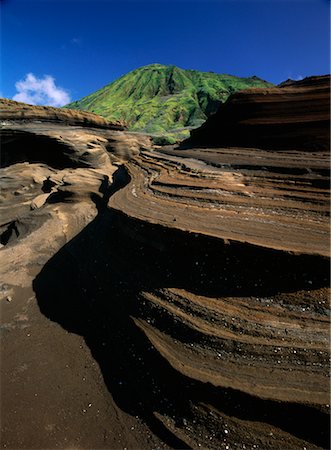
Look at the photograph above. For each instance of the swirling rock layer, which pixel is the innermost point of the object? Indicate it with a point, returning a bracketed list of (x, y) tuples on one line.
[(190, 286)]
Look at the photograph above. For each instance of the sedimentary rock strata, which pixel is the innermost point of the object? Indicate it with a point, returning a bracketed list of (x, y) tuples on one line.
[(17, 111), (292, 116), (270, 199), (165, 297)]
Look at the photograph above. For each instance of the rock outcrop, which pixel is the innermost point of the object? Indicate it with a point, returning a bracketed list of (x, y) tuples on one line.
[(17, 111), (166, 297), (292, 116)]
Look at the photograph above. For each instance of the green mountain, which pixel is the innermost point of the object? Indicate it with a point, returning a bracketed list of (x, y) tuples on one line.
[(161, 100)]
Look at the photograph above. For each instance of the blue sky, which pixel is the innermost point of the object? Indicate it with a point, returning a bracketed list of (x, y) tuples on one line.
[(84, 45)]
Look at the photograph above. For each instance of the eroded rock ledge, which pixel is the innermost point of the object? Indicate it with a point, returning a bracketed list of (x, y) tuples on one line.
[(17, 111), (198, 279)]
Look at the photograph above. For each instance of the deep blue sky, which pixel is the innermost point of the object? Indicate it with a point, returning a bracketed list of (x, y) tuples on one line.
[(87, 44)]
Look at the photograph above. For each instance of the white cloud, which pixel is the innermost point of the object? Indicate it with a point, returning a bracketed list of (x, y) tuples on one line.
[(40, 91)]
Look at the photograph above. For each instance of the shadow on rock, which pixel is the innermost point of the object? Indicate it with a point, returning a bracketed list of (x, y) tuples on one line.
[(92, 287)]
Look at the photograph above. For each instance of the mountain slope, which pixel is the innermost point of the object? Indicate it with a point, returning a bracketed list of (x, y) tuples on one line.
[(158, 98)]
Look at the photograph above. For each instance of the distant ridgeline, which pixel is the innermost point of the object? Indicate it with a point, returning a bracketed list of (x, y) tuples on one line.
[(165, 101)]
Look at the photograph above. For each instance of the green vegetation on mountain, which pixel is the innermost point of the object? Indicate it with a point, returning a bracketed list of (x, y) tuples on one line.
[(164, 100)]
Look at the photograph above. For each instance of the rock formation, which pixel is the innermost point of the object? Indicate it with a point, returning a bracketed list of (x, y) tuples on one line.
[(17, 111), (166, 297), (292, 116)]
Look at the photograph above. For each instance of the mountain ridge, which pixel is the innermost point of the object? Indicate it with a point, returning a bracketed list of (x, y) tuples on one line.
[(160, 99)]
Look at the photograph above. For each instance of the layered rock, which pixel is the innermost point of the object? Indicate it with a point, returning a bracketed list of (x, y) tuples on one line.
[(277, 200), (294, 115), (191, 286), (17, 111), (242, 288)]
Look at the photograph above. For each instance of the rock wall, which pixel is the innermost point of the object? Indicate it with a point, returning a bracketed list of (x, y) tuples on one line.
[(294, 115)]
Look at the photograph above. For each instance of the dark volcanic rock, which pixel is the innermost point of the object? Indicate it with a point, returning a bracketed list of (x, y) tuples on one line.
[(294, 115)]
